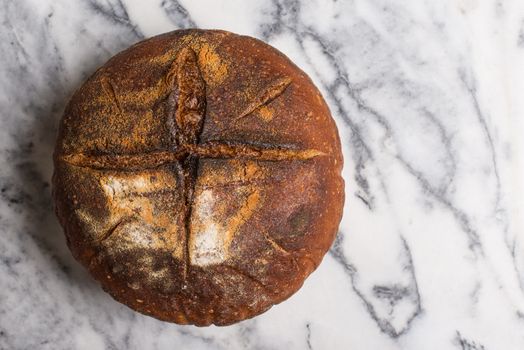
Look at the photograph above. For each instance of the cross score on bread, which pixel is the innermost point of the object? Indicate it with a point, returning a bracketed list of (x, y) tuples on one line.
[(186, 108)]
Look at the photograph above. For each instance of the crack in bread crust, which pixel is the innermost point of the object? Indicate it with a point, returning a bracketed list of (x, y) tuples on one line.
[(276, 89), (209, 150)]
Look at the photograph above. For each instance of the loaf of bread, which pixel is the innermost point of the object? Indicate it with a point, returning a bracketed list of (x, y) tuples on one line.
[(197, 177)]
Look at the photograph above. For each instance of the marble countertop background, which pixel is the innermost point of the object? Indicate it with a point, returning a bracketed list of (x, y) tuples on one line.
[(428, 97)]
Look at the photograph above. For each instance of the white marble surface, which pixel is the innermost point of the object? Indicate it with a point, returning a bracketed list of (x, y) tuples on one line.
[(428, 96)]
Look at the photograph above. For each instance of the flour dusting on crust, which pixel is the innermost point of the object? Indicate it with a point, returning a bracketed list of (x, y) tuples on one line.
[(207, 245)]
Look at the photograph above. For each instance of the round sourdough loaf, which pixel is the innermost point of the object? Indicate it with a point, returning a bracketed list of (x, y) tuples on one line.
[(197, 177)]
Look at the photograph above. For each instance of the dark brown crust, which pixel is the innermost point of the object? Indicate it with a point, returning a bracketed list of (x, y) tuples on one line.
[(197, 177)]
